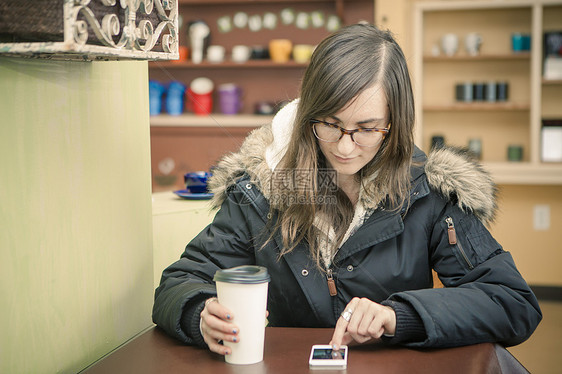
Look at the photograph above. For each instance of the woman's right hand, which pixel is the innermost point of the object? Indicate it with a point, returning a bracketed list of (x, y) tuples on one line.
[(216, 326)]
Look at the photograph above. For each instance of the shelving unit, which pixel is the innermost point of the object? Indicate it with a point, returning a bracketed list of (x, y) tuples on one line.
[(476, 107), (261, 80), (197, 142), (215, 120), (482, 57), (498, 124), (250, 64)]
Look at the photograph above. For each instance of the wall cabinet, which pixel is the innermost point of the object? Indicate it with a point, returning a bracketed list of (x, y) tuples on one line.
[(189, 142), (260, 80), (497, 125)]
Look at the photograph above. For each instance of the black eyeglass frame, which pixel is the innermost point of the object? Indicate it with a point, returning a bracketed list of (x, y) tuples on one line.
[(343, 131)]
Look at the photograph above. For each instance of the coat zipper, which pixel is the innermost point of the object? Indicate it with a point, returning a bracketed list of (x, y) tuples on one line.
[(451, 232), (331, 283)]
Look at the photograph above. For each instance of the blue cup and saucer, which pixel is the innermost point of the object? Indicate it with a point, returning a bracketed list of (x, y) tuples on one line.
[(195, 186)]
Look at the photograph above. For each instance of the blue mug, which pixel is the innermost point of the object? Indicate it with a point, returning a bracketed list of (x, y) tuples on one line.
[(196, 182), (174, 98), (155, 92)]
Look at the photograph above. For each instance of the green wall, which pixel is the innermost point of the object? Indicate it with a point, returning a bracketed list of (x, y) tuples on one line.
[(76, 275)]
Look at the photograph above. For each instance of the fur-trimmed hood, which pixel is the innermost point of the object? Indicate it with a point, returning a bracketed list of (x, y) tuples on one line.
[(450, 171)]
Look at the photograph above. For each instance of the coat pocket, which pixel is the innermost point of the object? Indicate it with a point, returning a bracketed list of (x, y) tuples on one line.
[(455, 242), (479, 241)]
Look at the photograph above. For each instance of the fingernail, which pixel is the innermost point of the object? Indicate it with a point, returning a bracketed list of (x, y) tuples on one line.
[(234, 331), (234, 339), (228, 316)]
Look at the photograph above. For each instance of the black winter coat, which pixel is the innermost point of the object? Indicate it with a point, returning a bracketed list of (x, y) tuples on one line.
[(390, 257)]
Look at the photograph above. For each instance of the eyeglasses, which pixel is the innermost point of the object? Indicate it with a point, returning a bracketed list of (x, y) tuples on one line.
[(332, 133)]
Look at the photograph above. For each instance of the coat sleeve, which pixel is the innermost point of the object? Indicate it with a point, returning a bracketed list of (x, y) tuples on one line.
[(485, 298), (225, 243)]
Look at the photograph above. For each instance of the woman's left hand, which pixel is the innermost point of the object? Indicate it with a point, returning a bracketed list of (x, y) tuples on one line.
[(363, 320)]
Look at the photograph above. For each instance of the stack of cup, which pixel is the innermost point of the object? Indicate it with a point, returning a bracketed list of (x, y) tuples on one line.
[(174, 98), (482, 91), (155, 92), (243, 291)]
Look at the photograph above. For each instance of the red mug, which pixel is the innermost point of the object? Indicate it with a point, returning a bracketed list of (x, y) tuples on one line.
[(200, 96)]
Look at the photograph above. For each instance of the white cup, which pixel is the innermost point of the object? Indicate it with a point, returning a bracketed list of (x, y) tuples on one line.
[(243, 290), (215, 53), (241, 53), (450, 44), (472, 43)]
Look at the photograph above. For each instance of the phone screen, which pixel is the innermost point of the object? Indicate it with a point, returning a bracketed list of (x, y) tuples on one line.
[(328, 354)]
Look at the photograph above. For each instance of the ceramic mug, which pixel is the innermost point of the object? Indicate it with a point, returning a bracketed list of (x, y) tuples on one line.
[(196, 182), (280, 49), (241, 53), (491, 91), (472, 43), (230, 98), (183, 53), (174, 98), (199, 96), (259, 53), (302, 53), (215, 53), (502, 91), (515, 153), (155, 92), (450, 44), (517, 42), (478, 91), (475, 147)]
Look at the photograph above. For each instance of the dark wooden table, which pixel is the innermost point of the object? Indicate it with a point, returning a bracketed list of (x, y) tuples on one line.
[(287, 351)]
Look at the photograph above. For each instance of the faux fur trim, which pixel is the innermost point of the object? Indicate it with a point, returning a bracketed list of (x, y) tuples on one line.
[(460, 178), (450, 171), (250, 159)]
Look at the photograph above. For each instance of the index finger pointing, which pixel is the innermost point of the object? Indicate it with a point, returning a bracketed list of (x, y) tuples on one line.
[(339, 331)]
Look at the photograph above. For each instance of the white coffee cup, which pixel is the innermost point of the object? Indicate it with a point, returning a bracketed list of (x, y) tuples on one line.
[(215, 53), (243, 290), (241, 53), (450, 44), (472, 43)]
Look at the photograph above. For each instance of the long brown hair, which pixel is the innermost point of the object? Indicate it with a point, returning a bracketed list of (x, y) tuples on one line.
[(342, 66)]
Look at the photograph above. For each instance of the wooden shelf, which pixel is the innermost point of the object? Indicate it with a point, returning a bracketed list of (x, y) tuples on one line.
[(525, 173), (552, 82), (483, 57), (205, 2), (213, 120), (251, 64), (477, 106)]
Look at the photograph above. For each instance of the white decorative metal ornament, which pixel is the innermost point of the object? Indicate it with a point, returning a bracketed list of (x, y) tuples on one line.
[(101, 30)]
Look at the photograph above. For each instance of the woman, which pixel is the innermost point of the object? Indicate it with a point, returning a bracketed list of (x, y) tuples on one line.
[(350, 218)]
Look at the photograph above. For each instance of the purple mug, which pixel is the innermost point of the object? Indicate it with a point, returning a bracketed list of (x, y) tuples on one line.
[(230, 98)]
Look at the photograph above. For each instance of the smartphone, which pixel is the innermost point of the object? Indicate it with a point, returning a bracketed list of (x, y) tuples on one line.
[(324, 357)]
